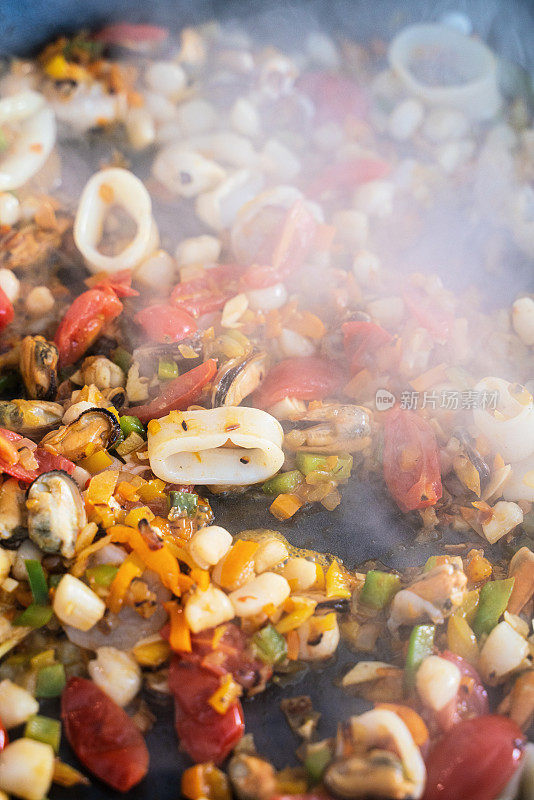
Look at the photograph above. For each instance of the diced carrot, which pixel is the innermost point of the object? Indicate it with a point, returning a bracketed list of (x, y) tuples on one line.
[(285, 506), (180, 635), (238, 564)]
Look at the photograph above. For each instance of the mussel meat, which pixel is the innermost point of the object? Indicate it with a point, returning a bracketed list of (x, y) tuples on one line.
[(38, 367), (95, 429), (13, 528), (238, 378), (331, 427), (29, 417), (56, 512)]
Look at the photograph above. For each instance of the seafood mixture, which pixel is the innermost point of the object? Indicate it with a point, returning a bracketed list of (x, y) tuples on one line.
[(242, 296)]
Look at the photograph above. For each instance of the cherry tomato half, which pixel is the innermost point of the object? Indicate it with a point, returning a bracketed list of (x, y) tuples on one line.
[(411, 460), (475, 759), (307, 378), (165, 323), (84, 322), (178, 393), (361, 341), (7, 312), (204, 734), (103, 736), (207, 293)]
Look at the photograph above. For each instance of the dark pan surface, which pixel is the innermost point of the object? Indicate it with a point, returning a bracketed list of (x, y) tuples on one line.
[(366, 525)]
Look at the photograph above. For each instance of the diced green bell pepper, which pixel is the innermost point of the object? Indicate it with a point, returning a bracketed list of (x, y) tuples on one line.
[(34, 616), (184, 503), (379, 588), (130, 424), (167, 370), (102, 575), (283, 483), (44, 729), (494, 597), (37, 581), (420, 646), (122, 358), (311, 462), (50, 681), (4, 142), (269, 645), (316, 761)]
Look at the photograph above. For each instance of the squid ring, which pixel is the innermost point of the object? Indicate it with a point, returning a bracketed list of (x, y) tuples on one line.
[(227, 446), (105, 188), (511, 430), (34, 142)]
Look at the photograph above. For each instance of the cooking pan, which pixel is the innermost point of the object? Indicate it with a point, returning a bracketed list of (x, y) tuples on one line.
[(366, 525)]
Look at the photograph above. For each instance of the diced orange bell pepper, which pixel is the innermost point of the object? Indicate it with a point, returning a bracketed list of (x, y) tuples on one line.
[(128, 570), (285, 506), (180, 635), (161, 560), (336, 585), (151, 490), (102, 486), (292, 641), (134, 517), (201, 577), (205, 781), (478, 568), (238, 565)]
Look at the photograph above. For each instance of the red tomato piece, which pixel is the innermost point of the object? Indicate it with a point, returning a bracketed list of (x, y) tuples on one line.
[(230, 655), (4, 739), (361, 341), (345, 176), (335, 97), (428, 314), (207, 293), (179, 393), (204, 734), (411, 460), (46, 461), (128, 34), (474, 760), (120, 282), (165, 323), (471, 700), (84, 322), (7, 312), (295, 241), (103, 736), (307, 378)]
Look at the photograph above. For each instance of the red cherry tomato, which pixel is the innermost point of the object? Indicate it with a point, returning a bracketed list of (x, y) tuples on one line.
[(345, 176), (178, 393), (230, 655), (474, 760), (335, 97), (4, 740), (84, 321), (204, 734), (120, 282), (7, 312), (127, 34), (361, 341), (103, 736), (425, 310), (411, 460), (307, 378), (207, 293), (294, 242), (471, 700), (165, 323)]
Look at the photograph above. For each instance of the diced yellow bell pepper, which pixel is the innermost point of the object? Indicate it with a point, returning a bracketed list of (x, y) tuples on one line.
[(319, 579), (325, 622), (126, 491), (153, 427), (128, 570), (101, 514), (299, 610), (44, 659), (225, 695), (96, 462), (59, 69), (336, 585), (134, 517), (461, 639), (151, 653), (151, 490), (102, 486)]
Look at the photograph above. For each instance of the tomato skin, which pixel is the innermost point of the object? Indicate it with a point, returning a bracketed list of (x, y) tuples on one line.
[(120, 282), (295, 240), (103, 736), (207, 293), (7, 312), (46, 461), (306, 378), (179, 393), (361, 341), (165, 323), (335, 97), (204, 734), (127, 33), (345, 176), (472, 699), (84, 321), (475, 759), (417, 486), (4, 739), (436, 320)]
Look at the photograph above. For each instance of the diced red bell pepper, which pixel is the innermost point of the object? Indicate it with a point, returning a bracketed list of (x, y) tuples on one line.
[(179, 393)]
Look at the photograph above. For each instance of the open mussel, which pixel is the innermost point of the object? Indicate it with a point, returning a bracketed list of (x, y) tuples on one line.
[(329, 428), (13, 528), (56, 512), (38, 363), (238, 378), (29, 417), (95, 429)]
